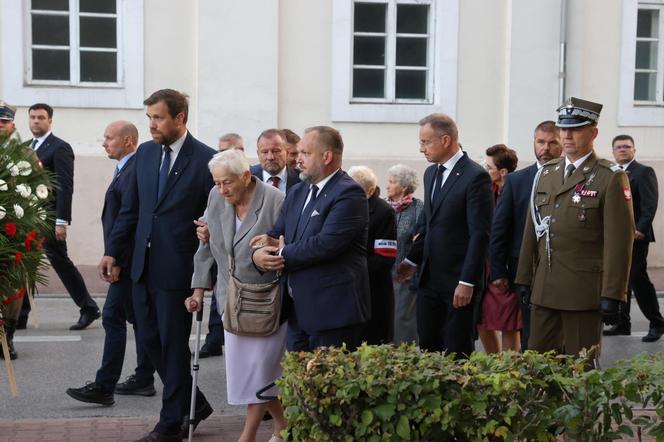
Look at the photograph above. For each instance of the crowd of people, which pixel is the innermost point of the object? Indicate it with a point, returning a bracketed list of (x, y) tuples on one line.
[(300, 254)]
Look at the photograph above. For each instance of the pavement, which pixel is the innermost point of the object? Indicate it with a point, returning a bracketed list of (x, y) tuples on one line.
[(52, 359)]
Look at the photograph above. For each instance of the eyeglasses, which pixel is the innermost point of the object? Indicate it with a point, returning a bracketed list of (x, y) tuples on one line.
[(622, 146)]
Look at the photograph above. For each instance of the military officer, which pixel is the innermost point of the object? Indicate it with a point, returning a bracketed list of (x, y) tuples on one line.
[(577, 244)]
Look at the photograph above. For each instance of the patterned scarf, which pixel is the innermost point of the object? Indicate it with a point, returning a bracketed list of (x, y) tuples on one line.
[(402, 203)]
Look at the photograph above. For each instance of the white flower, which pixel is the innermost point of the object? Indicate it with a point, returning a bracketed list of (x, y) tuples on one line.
[(13, 170), (3, 186), (24, 168), (41, 191), (24, 190), (3, 212), (42, 215), (18, 210)]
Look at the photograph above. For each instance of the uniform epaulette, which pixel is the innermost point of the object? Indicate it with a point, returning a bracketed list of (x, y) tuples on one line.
[(554, 161), (609, 165)]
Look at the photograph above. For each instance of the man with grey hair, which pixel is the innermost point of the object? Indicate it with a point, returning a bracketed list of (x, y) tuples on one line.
[(231, 140), (272, 155), (450, 252), (324, 222), (120, 140)]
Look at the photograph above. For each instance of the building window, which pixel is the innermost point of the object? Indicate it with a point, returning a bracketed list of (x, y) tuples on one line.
[(391, 52), (74, 53), (641, 99), (393, 60), (73, 42)]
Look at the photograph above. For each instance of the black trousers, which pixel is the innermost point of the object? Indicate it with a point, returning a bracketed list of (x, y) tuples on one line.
[(299, 340), (71, 278), (644, 290), (440, 326)]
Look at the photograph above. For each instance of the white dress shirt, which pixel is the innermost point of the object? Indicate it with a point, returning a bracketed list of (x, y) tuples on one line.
[(283, 179)]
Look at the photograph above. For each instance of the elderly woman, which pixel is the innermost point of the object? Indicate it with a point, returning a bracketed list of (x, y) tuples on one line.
[(239, 208), (501, 318), (402, 183), (381, 253)]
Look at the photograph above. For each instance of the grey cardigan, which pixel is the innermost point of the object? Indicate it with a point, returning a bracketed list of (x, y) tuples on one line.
[(220, 216)]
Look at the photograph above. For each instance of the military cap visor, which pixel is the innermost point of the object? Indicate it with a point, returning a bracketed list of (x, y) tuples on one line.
[(7, 112), (578, 113)]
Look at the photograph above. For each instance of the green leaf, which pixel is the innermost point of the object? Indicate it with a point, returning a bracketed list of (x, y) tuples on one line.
[(384, 411), (335, 420), (403, 428), (367, 417)]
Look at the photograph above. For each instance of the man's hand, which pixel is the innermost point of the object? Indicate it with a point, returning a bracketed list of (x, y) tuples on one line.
[(105, 268), (405, 272), (60, 232), (267, 259), (195, 301), (462, 296), (263, 240), (115, 273), (202, 232), (610, 310), (523, 292), (501, 283), (639, 236)]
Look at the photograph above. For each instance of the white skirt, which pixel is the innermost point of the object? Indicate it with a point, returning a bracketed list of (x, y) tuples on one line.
[(253, 363)]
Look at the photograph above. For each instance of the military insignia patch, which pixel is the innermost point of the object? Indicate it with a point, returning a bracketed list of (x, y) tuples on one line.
[(576, 199), (627, 194)]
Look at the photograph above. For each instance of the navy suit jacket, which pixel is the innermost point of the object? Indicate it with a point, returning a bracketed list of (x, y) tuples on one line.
[(292, 175), (454, 230), (113, 203), (57, 156), (645, 193), (509, 220), (326, 262), (164, 229)]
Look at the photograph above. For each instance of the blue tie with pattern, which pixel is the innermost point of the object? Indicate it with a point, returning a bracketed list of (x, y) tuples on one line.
[(163, 172)]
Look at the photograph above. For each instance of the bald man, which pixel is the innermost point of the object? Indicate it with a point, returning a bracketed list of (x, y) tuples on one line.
[(120, 140)]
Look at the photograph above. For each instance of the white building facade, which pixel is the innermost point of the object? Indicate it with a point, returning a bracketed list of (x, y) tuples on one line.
[(371, 68)]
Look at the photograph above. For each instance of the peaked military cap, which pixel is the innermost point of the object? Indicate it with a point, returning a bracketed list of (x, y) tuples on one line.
[(577, 113), (7, 111)]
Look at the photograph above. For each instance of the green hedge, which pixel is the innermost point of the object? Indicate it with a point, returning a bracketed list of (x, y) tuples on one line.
[(386, 393)]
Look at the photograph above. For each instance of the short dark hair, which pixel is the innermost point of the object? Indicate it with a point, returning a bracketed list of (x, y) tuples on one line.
[(328, 138), (42, 106), (547, 126), (290, 136), (441, 123), (269, 133), (623, 137), (176, 102), (503, 157)]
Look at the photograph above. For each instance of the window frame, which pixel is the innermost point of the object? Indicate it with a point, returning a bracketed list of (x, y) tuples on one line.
[(20, 89), (441, 78), (633, 112)]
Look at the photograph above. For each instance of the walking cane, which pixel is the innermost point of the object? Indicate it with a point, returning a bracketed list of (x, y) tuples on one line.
[(194, 369)]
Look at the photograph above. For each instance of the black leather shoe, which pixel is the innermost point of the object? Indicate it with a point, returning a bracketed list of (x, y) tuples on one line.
[(85, 320), (618, 330), (653, 334), (208, 350), (131, 386), (202, 412), (160, 437), (91, 393)]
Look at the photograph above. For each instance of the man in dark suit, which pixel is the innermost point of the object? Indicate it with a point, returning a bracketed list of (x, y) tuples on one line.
[(57, 157), (450, 251), (643, 183), (272, 156), (120, 139), (509, 218), (170, 191), (324, 223)]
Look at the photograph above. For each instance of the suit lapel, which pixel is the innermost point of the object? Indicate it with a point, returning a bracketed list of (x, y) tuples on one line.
[(183, 158), (578, 176), (227, 217), (303, 191), (251, 218), (453, 177)]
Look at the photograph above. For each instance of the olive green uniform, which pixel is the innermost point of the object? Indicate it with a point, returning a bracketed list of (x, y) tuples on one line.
[(590, 234)]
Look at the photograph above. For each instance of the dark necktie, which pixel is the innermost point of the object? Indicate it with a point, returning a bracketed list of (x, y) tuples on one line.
[(163, 172), (569, 171), (275, 181), (312, 200), (437, 181), (33, 144), (117, 171), (302, 222)]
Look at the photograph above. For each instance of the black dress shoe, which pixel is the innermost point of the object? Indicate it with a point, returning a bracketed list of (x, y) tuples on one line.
[(160, 437), (131, 386), (91, 393), (202, 412), (617, 330), (86, 319), (653, 334), (208, 350)]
